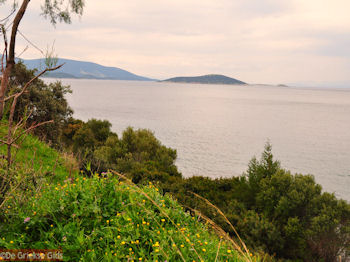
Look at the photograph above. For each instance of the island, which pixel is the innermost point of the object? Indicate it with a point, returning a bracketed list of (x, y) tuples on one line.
[(206, 79)]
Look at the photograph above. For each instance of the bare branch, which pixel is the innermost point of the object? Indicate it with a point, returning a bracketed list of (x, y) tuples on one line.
[(12, 12), (36, 77), (31, 43), (2, 60), (6, 143), (11, 130), (11, 96), (22, 121), (5, 49), (25, 49), (31, 128)]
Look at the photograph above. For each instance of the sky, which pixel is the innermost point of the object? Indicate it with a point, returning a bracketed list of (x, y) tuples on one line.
[(257, 41)]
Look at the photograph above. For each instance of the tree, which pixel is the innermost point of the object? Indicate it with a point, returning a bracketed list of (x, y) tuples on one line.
[(45, 102), (56, 11)]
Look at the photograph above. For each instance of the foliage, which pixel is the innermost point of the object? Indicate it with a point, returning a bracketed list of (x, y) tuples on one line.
[(104, 219), (61, 10), (44, 101), (137, 153), (35, 163), (58, 11), (274, 211), (282, 214), (40, 156)]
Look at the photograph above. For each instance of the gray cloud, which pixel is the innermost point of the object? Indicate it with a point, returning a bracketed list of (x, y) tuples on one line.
[(272, 41)]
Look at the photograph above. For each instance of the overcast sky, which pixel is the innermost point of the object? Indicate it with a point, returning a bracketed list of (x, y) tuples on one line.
[(256, 41)]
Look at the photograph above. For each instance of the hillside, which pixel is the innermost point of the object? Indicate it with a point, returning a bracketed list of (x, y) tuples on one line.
[(207, 79), (100, 217), (85, 70), (35, 156)]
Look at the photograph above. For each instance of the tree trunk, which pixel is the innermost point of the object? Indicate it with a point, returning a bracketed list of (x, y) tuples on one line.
[(11, 58)]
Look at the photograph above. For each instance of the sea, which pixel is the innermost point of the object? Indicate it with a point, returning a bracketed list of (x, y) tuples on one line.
[(218, 129)]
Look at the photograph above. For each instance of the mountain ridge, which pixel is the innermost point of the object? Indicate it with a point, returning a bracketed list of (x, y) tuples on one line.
[(85, 70)]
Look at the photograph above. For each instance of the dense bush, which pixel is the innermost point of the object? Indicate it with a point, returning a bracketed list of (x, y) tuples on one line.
[(103, 219), (275, 211), (44, 101), (137, 153)]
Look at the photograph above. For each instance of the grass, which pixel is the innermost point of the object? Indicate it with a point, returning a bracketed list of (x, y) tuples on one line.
[(103, 217), (38, 156)]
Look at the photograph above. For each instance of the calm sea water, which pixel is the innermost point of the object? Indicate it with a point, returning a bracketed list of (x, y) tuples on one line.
[(217, 129)]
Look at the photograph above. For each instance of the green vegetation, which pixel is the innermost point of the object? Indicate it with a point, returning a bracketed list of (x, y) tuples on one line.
[(275, 212), (102, 218), (137, 153), (37, 156), (44, 101)]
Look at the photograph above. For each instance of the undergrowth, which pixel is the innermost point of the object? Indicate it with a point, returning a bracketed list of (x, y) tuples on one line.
[(105, 219), (100, 217)]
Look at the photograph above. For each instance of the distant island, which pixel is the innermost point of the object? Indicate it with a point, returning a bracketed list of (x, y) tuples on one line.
[(206, 79), (85, 70)]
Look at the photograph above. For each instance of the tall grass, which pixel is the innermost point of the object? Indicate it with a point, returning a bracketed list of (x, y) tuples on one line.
[(103, 217), (110, 219)]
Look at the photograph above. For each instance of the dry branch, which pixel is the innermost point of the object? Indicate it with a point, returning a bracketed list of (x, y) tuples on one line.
[(11, 130), (11, 55)]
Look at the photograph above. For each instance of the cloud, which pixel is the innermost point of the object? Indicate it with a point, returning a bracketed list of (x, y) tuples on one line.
[(271, 41)]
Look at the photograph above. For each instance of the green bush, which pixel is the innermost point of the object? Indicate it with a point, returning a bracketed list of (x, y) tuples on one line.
[(44, 101), (274, 211), (137, 153), (104, 219)]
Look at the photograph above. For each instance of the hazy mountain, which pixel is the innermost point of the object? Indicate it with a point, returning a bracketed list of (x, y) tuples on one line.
[(86, 70), (207, 79)]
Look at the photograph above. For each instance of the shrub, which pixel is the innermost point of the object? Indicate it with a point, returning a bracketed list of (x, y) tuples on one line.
[(44, 101), (94, 219)]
